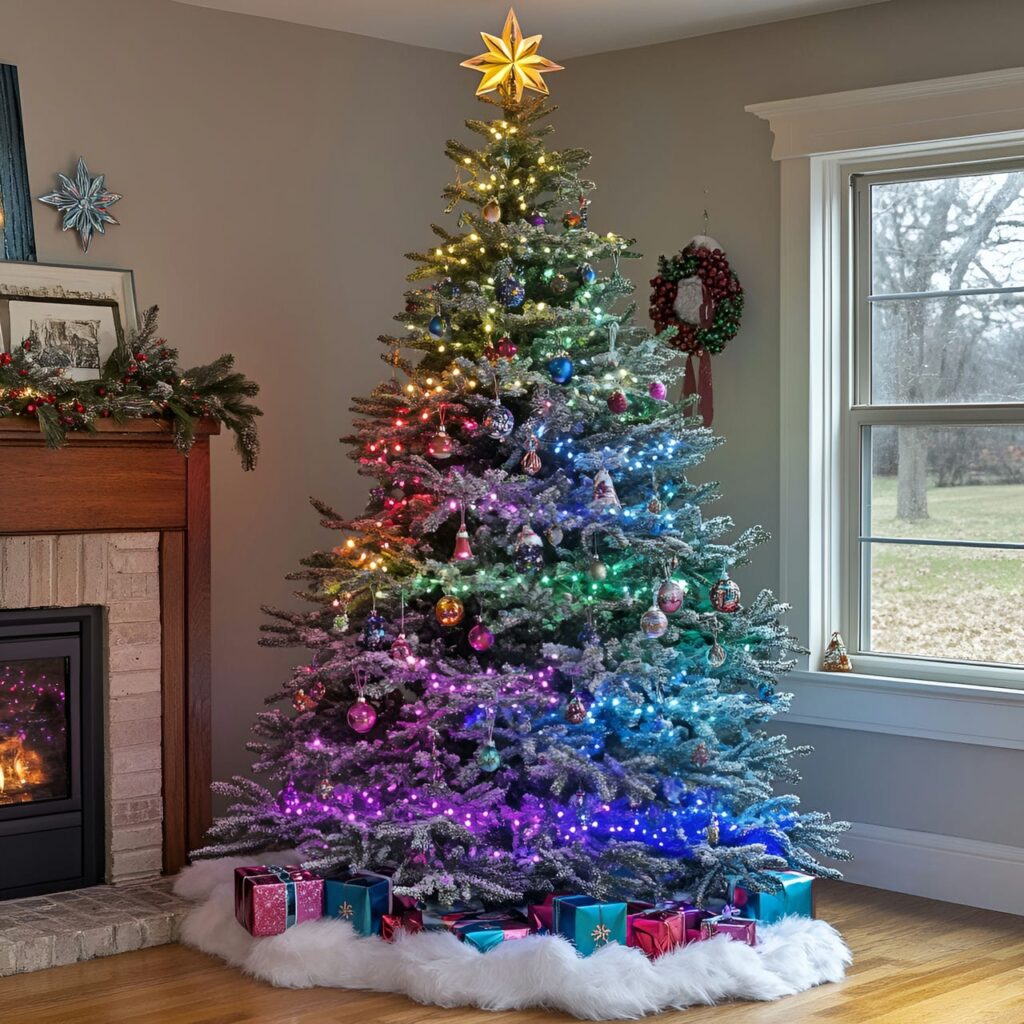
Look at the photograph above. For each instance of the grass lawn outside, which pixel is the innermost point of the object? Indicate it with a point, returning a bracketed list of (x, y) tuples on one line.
[(957, 603)]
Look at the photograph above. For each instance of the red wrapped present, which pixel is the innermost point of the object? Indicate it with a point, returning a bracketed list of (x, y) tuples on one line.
[(540, 914), (692, 917), (270, 899), (405, 917), (656, 932), (634, 909), (742, 929)]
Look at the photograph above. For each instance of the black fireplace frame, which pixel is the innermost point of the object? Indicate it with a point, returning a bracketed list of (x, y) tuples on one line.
[(54, 845)]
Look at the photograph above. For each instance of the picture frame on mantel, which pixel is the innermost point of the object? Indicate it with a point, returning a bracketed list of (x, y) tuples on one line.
[(82, 312)]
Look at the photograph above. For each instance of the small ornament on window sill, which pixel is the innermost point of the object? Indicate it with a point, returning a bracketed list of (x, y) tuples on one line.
[(836, 658)]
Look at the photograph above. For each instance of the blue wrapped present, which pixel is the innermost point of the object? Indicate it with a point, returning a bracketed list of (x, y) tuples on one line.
[(796, 897), (361, 898), (588, 923)]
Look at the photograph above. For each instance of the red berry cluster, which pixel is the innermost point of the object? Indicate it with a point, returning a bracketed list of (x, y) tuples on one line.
[(723, 288)]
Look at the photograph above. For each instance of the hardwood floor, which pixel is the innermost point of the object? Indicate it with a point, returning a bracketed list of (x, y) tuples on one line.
[(916, 962)]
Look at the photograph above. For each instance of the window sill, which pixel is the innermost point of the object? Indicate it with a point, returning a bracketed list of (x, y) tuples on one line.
[(951, 712)]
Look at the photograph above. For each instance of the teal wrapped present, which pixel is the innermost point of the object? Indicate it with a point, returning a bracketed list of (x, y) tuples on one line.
[(796, 897), (588, 923), (486, 931), (361, 898)]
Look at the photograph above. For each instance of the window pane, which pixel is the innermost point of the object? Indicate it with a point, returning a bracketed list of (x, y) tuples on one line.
[(954, 604), (940, 235), (962, 348), (947, 483)]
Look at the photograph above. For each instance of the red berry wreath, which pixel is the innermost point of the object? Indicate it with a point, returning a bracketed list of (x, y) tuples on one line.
[(698, 293)]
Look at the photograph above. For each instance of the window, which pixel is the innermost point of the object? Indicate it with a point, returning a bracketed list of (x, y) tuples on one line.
[(933, 423)]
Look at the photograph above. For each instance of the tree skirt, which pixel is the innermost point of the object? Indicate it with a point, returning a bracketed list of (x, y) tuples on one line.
[(615, 983)]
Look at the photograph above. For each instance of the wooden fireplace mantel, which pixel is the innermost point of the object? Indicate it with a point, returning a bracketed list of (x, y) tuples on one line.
[(131, 477)]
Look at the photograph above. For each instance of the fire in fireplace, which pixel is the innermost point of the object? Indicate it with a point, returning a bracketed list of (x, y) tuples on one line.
[(51, 750)]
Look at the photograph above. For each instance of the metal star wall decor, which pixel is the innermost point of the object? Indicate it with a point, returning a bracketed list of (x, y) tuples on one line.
[(85, 203), (511, 63)]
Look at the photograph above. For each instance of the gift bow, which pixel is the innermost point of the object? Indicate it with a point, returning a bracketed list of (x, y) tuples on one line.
[(729, 911)]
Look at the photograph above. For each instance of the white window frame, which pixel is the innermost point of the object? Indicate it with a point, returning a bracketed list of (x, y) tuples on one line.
[(820, 142)]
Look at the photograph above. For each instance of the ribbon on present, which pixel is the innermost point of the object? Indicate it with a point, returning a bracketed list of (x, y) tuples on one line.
[(248, 882), (291, 901), (588, 923), (405, 916), (741, 929), (362, 898)]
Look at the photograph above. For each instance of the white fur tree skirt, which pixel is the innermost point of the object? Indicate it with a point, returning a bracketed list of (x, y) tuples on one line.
[(615, 983)]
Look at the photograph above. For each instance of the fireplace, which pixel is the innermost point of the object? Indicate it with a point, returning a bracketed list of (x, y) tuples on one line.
[(52, 806)]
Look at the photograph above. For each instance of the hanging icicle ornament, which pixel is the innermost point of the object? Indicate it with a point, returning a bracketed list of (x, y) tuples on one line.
[(560, 368), (604, 489), (575, 711), (361, 716), (401, 649), (836, 657), (487, 757), (618, 403), (463, 552), (325, 789), (529, 550), (588, 635), (449, 611), (440, 445), (725, 595), (491, 211), (530, 462), (671, 595), (716, 654)]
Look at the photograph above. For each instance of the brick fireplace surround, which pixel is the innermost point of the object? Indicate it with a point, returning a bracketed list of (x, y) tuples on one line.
[(120, 520)]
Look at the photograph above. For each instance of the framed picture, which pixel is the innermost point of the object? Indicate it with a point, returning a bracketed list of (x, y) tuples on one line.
[(74, 316)]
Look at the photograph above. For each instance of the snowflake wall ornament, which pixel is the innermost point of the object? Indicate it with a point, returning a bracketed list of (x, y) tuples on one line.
[(85, 203)]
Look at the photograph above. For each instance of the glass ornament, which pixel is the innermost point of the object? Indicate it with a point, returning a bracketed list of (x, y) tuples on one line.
[(654, 623), (401, 650), (480, 637), (529, 550), (587, 274), (559, 284), (716, 655), (449, 611), (288, 798), (670, 596), (361, 716), (498, 421), (530, 462), (700, 755), (560, 368), (302, 701), (491, 211), (725, 595), (657, 390), (507, 348), (440, 445), (836, 657), (325, 789), (713, 831), (317, 690), (463, 552), (571, 219), (604, 489), (618, 403), (555, 535), (437, 327), (487, 758), (509, 291), (340, 623), (575, 712), (589, 636), (537, 219), (597, 570), (374, 633), (654, 505)]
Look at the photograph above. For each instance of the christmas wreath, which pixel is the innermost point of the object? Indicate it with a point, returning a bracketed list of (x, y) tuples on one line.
[(698, 294), (141, 378)]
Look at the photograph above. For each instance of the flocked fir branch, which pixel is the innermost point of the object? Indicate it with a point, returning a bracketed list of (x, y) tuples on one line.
[(526, 666), (140, 379)]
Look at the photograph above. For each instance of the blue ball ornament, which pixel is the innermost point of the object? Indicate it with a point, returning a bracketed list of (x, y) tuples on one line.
[(588, 275), (436, 327), (560, 369), (374, 632), (488, 759), (510, 292)]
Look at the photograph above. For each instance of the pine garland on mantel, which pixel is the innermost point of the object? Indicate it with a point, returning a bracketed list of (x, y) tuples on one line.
[(141, 379)]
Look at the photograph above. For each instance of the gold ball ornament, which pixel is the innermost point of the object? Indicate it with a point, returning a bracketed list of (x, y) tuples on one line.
[(597, 570), (449, 611)]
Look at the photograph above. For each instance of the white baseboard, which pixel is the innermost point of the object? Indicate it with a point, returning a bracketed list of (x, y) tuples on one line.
[(986, 875)]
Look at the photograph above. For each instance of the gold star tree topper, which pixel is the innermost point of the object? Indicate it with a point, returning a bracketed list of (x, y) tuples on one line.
[(511, 63)]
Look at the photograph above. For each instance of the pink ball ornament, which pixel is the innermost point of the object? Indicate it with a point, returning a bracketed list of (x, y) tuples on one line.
[(507, 348), (480, 638), (670, 596), (361, 716), (658, 391)]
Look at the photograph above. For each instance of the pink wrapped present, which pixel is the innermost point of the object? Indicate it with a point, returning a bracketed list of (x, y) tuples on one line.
[(270, 899), (742, 929), (657, 932)]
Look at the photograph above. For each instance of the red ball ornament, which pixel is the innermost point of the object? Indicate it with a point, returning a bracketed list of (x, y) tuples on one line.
[(618, 402), (507, 348), (6, 358)]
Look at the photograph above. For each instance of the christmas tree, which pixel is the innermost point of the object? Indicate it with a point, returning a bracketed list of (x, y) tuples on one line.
[(530, 669)]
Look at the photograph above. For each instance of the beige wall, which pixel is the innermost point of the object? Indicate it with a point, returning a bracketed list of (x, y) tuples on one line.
[(273, 177), (664, 123)]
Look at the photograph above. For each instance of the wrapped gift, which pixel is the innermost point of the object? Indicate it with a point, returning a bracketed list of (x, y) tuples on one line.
[(634, 909), (405, 916), (795, 897), (270, 899), (742, 929), (539, 914), (588, 923), (656, 932), (692, 916), (485, 931), (362, 899)]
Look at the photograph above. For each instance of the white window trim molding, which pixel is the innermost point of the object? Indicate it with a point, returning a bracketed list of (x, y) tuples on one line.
[(817, 140)]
